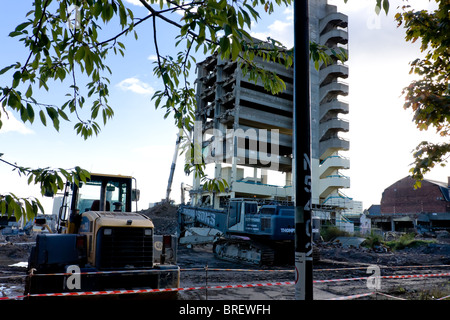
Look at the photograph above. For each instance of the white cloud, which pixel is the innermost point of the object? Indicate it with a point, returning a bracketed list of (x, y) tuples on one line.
[(152, 57), (135, 2), (289, 12), (281, 30), (138, 3), (11, 124), (135, 85)]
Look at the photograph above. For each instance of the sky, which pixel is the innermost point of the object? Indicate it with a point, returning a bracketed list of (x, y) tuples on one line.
[(139, 142)]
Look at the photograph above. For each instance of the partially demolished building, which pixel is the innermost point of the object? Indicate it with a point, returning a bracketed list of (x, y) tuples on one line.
[(246, 127)]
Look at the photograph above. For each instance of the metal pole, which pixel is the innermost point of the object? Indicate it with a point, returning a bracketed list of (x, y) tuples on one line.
[(302, 153), (174, 163)]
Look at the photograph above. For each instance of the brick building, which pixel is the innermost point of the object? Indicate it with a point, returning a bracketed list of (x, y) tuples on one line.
[(403, 207), (401, 197)]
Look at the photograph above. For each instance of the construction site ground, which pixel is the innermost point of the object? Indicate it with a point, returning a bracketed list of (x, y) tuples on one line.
[(201, 270)]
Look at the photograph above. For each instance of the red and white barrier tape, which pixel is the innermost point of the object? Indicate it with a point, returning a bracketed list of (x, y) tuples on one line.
[(111, 292), (103, 272), (153, 271), (270, 284), (417, 276), (355, 296), (340, 280), (409, 276), (389, 296), (385, 267), (218, 269), (236, 270)]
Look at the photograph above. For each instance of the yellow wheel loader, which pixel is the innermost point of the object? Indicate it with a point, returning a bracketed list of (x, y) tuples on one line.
[(101, 244)]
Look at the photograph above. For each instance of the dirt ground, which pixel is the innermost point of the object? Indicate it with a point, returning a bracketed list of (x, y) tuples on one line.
[(336, 262)]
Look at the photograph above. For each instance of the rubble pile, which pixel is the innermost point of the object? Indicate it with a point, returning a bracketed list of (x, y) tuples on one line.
[(164, 217), (435, 251)]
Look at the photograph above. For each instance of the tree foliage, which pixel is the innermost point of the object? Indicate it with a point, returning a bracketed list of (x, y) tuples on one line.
[(49, 180), (429, 96), (66, 42)]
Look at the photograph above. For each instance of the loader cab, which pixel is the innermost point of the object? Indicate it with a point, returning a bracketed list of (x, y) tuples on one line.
[(110, 193), (103, 193)]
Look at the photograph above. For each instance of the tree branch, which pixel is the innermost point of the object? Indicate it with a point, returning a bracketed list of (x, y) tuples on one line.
[(124, 31), (36, 39)]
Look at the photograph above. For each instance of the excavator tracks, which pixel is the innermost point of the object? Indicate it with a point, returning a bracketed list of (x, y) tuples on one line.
[(256, 253), (244, 251)]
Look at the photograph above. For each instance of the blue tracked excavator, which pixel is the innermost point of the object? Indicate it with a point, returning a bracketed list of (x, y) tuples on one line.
[(249, 232)]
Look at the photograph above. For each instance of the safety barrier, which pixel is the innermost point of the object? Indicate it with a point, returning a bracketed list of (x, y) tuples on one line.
[(355, 296), (213, 269), (389, 296), (255, 285), (384, 267), (388, 277), (237, 270), (140, 291)]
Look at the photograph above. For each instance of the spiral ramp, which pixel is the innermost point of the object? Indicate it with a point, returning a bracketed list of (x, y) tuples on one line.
[(332, 106)]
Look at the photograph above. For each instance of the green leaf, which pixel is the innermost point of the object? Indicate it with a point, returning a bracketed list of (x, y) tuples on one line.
[(43, 118), (15, 34), (29, 92), (123, 15), (89, 62), (378, 7), (5, 69), (235, 49), (22, 26), (17, 76), (97, 8), (23, 114), (107, 12), (30, 112), (80, 54), (386, 6), (63, 115)]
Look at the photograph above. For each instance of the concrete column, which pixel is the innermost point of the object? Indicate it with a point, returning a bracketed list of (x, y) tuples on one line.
[(263, 176), (288, 181)]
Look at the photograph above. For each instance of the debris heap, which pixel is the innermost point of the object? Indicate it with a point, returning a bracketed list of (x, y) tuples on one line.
[(164, 217)]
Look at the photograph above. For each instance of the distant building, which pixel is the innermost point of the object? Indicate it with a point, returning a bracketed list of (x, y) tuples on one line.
[(403, 206), (402, 197), (374, 210)]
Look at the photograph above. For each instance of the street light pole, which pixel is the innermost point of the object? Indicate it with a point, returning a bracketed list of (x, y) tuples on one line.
[(302, 153)]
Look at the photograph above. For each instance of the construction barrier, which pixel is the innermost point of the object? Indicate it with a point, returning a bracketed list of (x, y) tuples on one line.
[(355, 296), (389, 296), (387, 277), (223, 270), (384, 267), (238, 270), (140, 291), (417, 276)]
